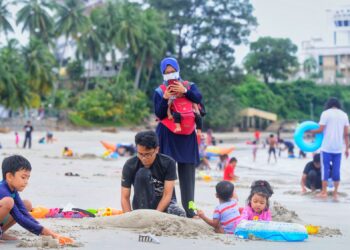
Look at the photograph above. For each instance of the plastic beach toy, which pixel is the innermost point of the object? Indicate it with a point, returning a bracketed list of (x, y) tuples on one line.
[(215, 150), (65, 241), (204, 176), (109, 146), (192, 206), (311, 229), (106, 211), (39, 212), (299, 137), (271, 230)]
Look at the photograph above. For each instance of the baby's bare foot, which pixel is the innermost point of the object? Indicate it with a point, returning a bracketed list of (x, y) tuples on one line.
[(177, 129)]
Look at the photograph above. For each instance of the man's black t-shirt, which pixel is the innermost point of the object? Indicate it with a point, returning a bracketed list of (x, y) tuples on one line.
[(28, 129), (162, 169), (310, 166)]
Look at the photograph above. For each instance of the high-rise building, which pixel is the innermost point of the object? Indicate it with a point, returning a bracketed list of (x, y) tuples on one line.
[(332, 57)]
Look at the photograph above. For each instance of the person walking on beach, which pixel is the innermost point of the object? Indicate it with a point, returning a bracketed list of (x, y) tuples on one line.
[(272, 147), (153, 176), (182, 147), (28, 128), (334, 124), (257, 135)]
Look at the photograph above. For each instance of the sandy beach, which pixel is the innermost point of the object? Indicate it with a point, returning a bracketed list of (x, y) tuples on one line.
[(98, 185)]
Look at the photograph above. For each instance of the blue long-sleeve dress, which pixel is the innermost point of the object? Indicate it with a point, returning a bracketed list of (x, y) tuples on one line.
[(182, 148)]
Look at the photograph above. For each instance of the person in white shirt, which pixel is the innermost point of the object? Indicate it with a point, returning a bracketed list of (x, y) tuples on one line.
[(334, 124)]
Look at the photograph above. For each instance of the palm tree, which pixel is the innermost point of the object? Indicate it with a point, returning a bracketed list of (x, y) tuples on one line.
[(310, 66), (152, 45), (89, 48), (129, 30), (39, 62), (106, 22), (71, 22), (36, 19), (5, 25), (14, 92)]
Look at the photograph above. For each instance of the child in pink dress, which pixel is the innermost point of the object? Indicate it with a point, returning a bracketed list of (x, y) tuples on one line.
[(258, 202), (17, 139)]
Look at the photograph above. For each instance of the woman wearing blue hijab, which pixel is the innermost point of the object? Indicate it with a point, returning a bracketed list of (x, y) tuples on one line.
[(183, 148)]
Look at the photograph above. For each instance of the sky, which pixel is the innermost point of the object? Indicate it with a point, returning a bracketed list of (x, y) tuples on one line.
[(298, 20)]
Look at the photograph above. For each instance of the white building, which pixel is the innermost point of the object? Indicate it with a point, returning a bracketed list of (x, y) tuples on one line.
[(332, 54)]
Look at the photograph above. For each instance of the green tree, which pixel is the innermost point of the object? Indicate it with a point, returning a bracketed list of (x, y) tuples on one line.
[(75, 70), (152, 43), (216, 88), (36, 19), (39, 63), (14, 92), (106, 21), (89, 48), (96, 106), (5, 15), (255, 94), (272, 58), (209, 30), (113, 103), (138, 34), (310, 67), (128, 33), (71, 22)]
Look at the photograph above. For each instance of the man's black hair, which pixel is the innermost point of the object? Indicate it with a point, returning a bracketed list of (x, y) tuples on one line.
[(317, 158), (224, 190), (148, 139), (262, 188), (13, 164), (332, 103)]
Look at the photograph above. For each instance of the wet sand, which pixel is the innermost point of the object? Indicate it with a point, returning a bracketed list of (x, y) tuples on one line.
[(98, 185)]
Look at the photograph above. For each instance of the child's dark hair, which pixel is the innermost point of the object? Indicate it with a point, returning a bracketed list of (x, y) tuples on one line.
[(223, 157), (262, 188), (148, 139), (233, 159), (317, 158), (13, 164), (224, 190)]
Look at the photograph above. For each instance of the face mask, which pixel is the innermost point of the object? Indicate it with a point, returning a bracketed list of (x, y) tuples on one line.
[(171, 76)]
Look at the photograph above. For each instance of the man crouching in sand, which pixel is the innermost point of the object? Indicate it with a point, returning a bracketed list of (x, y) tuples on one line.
[(153, 176)]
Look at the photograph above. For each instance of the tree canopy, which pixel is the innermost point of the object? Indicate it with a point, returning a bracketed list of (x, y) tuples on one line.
[(272, 58), (130, 39)]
